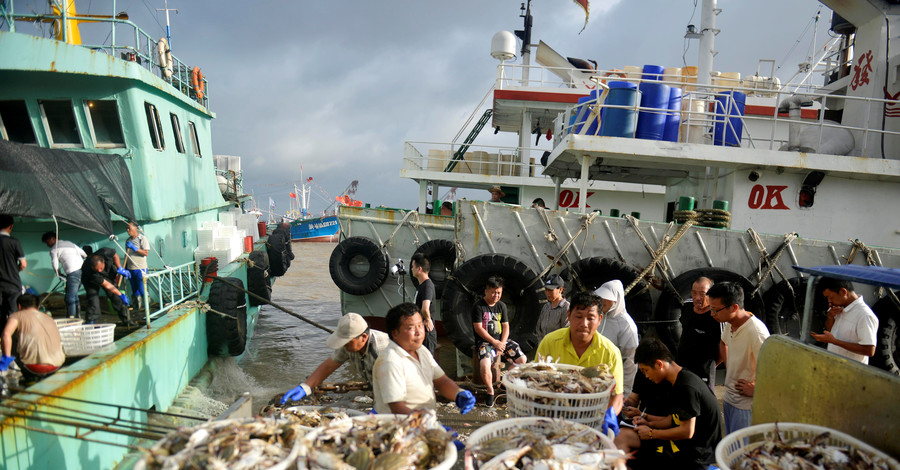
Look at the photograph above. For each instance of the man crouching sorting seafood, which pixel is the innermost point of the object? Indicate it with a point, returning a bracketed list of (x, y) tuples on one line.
[(580, 345), (352, 341), (406, 374), (687, 438)]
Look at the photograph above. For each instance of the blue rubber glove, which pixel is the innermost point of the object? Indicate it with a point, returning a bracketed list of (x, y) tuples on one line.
[(124, 272), (465, 401), (5, 361), (610, 421), (297, 393), (459, 445), (131, 246), (373, 412), (124, 299)]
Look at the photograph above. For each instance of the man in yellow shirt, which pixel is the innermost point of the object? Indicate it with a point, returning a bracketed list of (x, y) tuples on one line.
[(581, 345)]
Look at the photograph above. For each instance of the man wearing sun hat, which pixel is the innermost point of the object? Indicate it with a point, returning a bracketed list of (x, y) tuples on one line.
[(352, 341), (496, 194)]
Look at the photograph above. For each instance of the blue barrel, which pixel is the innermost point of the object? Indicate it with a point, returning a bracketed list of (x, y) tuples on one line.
[(673, 119), (582, 113), (651, 124), (619, 122), (727, 132), (653, 72)]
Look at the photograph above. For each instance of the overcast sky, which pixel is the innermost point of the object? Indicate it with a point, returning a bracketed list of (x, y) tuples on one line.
[(338, 86)]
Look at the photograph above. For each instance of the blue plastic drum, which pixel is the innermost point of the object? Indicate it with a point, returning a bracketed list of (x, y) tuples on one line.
[(620, 122), (582, 114), (651, 123), (673, 119), (653, 72), (727, 132)]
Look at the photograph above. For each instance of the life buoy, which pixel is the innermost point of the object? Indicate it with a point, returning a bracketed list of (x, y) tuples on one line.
[(278, 260), (613, 73), (784, 308), (197, 82), (226, 335), (165, 57), (258, 277), (466, 285), (591, 273), (887, 353), (442, 256), (668, 309), (358, 266)]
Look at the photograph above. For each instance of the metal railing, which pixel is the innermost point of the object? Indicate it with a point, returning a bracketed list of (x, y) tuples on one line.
[(169, 287), (138, 46), (488, 160)]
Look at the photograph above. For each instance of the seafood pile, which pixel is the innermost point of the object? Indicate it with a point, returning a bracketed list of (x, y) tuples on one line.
[(544, 444), (232, 444), (549, 377), (807, 453), (380, 442), (307, 416)]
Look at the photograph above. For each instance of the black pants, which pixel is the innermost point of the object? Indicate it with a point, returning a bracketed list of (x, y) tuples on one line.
[(8, 306), (92, 309), (430, 341)]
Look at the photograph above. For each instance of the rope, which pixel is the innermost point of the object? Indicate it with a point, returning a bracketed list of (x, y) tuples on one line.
[(771, 261), (662, 263), (659, 255), (399, 226), (550, 235), (586, 221), (872, 259)]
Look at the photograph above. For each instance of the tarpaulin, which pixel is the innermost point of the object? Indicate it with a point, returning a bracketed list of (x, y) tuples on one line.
[(79, 188), (875, 275)]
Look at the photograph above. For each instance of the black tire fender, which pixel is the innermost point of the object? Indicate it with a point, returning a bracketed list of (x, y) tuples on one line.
[(358, 266), (275, 250), (594, 272), (668, 310), (521, 294), (442, 256), (226, 335), (258, 277), (887, 355)]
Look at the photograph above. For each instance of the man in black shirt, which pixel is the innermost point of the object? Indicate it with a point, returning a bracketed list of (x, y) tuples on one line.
[(419, 266), (698, 349), (491, 324), (12, 261), (687, 438), (99, 272)]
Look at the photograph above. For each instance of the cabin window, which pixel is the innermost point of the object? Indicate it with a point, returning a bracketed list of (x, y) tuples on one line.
[(106, 127), (59, 120), (15, 124), (176, 129), (194, 140), (153, 124)]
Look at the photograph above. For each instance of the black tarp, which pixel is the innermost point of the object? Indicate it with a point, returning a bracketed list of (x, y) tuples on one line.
[(79, 188)]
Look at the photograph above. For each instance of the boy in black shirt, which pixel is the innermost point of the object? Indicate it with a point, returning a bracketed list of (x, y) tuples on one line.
[(491, 325), (687, 438)]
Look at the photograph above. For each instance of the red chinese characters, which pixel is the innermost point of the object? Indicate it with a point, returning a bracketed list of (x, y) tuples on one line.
[(861, 70)]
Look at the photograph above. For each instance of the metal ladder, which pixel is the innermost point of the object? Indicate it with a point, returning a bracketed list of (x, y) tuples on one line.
[(461, 151)]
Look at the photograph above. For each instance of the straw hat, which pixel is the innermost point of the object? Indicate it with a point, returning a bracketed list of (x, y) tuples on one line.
[(496, 189)]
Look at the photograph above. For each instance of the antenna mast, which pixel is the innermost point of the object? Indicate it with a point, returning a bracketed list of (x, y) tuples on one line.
[(168, 32)]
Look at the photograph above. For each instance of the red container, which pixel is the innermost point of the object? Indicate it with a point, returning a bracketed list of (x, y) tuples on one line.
[(248, 244), (211, 273), (261, 226)]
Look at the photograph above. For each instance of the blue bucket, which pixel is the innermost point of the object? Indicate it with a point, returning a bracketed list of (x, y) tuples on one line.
[(620, 122), (727, 132), (651, 124), (673, 119), (653, 72), (582, 113)]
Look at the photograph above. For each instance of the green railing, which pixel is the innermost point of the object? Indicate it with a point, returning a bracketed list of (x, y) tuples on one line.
[(166, 288), (137, 46)]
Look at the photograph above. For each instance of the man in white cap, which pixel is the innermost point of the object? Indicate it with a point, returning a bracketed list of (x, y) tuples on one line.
[(619, 327), (352, 341)]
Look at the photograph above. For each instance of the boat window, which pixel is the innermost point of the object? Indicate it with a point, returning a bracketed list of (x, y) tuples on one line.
[(156, 132), (176, 129), (59, 121), (15, 124), (104, 122), (194, 140)]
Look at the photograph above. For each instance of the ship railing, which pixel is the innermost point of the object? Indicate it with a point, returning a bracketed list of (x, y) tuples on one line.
[(699, 114), (485, 160), (538, 76), (166, 288), (134, 45)]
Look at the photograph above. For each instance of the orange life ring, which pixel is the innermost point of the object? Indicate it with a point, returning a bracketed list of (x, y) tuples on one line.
[(197, 81), (613, 72)]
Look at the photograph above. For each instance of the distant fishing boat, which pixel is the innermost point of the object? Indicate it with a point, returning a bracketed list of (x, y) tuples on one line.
[(308, 228)]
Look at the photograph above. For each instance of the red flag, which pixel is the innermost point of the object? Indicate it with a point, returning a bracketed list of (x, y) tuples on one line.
[(309, 179), (292, 195), (587, 11)]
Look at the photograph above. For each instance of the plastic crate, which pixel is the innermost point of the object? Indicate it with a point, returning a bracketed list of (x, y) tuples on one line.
[(81, 340), (735, 445), (503, 428), (67, 322), (585, 408)]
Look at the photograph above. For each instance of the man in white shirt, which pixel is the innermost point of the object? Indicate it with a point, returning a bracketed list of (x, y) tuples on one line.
[(71, 256), (851, 325)]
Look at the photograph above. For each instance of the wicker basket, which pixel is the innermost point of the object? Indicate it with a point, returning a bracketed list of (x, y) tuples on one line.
[(585, 408), (735, 445), (81, 340)]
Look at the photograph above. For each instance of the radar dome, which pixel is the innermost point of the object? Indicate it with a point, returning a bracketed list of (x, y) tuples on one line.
[(503, 46), (223, 183)]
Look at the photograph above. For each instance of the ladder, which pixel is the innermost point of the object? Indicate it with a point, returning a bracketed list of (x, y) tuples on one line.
[(461, 151)]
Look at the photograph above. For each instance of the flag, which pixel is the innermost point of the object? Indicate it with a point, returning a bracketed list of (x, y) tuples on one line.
[(272, 203), (309, 179), (292, 195), (587, 11)]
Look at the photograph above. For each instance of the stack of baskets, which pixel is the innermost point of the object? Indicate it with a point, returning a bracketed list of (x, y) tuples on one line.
[(585, 408), (81, 340)]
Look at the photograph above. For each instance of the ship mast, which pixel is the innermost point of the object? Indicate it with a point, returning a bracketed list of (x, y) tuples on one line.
[(706, 51), (525, 35)]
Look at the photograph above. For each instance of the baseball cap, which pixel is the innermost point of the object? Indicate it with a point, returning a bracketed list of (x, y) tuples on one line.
[(350, 326), (554, 281)]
